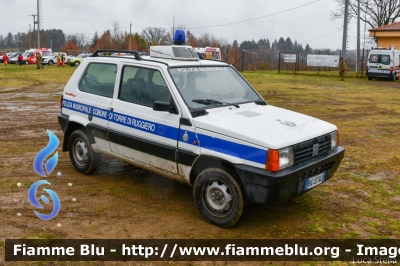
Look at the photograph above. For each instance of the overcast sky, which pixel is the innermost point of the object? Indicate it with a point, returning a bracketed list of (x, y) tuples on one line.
[(307, 21)]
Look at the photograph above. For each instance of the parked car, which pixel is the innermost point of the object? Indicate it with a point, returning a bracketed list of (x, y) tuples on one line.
[(51, 58), (76, 61), (11, 55), (196, 121)]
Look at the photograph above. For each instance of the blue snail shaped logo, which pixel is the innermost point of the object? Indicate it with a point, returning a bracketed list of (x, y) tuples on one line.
[(49, 167)]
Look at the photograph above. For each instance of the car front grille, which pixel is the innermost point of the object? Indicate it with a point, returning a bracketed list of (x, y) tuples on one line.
[(305, 150), (317, 171)]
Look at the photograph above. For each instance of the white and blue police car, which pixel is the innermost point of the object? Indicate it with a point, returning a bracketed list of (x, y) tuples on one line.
[(196, 121)]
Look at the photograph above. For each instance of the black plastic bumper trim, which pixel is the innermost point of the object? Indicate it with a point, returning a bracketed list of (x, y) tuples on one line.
[(263, 186)]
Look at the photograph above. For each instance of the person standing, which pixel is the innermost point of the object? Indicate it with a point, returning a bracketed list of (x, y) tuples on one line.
[(58, 59), (5, 59), (39, 61), (342, 66), (20, 59), (62, 59)]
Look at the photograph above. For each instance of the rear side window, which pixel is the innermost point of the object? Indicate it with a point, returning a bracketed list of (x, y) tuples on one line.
[(143, 86), (99, 79), (378, 58)]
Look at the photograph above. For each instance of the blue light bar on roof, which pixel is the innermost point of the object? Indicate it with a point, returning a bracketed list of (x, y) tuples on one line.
[(179, 37)]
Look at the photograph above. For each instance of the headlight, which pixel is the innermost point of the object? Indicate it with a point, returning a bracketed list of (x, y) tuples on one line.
[(279, 159), (334, 139)]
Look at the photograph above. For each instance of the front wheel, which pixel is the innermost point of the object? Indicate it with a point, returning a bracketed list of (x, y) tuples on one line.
[(218, 197), (82, 156), (77, 63), (50, 63)]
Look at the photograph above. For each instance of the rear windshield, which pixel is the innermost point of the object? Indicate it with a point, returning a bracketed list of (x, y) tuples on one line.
[(379, 58)]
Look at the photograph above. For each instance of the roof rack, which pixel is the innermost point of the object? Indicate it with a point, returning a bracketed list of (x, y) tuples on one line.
[(136, 54)]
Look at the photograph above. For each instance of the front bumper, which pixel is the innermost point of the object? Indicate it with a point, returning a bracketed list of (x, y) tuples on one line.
[(263, 186)]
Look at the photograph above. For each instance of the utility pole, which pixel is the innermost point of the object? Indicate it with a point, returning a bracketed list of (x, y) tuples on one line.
[(29, 37), (34, 22), (358, 40), (346, 13), (130, 35), (38, 24)]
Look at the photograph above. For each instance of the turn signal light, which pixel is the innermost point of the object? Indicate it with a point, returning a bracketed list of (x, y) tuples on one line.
[(272, 163)]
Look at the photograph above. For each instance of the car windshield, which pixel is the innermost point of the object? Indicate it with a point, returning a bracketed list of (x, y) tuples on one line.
[(26, 54), (209, 87)]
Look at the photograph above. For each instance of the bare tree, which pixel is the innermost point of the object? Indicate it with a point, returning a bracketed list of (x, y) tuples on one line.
[(116, 34), (154, 35), (204, 40), (79, 39), (374, 12)]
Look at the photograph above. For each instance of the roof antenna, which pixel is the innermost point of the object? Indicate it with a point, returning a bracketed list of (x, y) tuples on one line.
[(173, 21)]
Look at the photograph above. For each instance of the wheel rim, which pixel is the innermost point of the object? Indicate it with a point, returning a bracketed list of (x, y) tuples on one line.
[(80, 152), (218, 198)]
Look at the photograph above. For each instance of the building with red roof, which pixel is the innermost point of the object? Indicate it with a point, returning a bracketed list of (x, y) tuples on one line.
[(387, 35)]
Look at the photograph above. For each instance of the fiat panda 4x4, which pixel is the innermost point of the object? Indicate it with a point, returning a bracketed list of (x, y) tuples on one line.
[(196, 121)]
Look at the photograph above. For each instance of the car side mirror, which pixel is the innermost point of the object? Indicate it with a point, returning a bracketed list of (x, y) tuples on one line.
[(160, 106), (164, 107)]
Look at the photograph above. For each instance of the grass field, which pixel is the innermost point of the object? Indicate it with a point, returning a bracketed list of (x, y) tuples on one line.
[(361, 201)]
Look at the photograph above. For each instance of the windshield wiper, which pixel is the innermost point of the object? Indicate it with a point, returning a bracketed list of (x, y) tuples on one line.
[(211, 101)]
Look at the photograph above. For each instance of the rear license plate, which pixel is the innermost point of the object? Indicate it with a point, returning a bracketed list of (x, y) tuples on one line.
[(314, 181)]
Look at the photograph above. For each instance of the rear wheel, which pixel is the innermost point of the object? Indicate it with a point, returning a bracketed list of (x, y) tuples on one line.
[(218, 197), (77, 63), (82, 156), (51, 63), (394, 76)]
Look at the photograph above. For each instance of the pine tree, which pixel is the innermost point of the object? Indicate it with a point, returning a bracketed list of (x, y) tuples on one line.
[(94, 39)]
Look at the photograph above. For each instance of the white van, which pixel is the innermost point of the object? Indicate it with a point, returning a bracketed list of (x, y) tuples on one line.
[(383, 63)]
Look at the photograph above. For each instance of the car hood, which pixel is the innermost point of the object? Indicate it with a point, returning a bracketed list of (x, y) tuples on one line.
[(263, 125)]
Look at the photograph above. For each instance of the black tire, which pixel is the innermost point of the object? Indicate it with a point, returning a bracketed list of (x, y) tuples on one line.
[(218, 197), (50, 62), (26, 63), (82, 156), (394, 76), (369, 78), (77, 63)]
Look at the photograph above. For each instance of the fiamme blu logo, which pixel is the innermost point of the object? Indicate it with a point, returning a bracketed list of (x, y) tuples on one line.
[(44, 169)]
